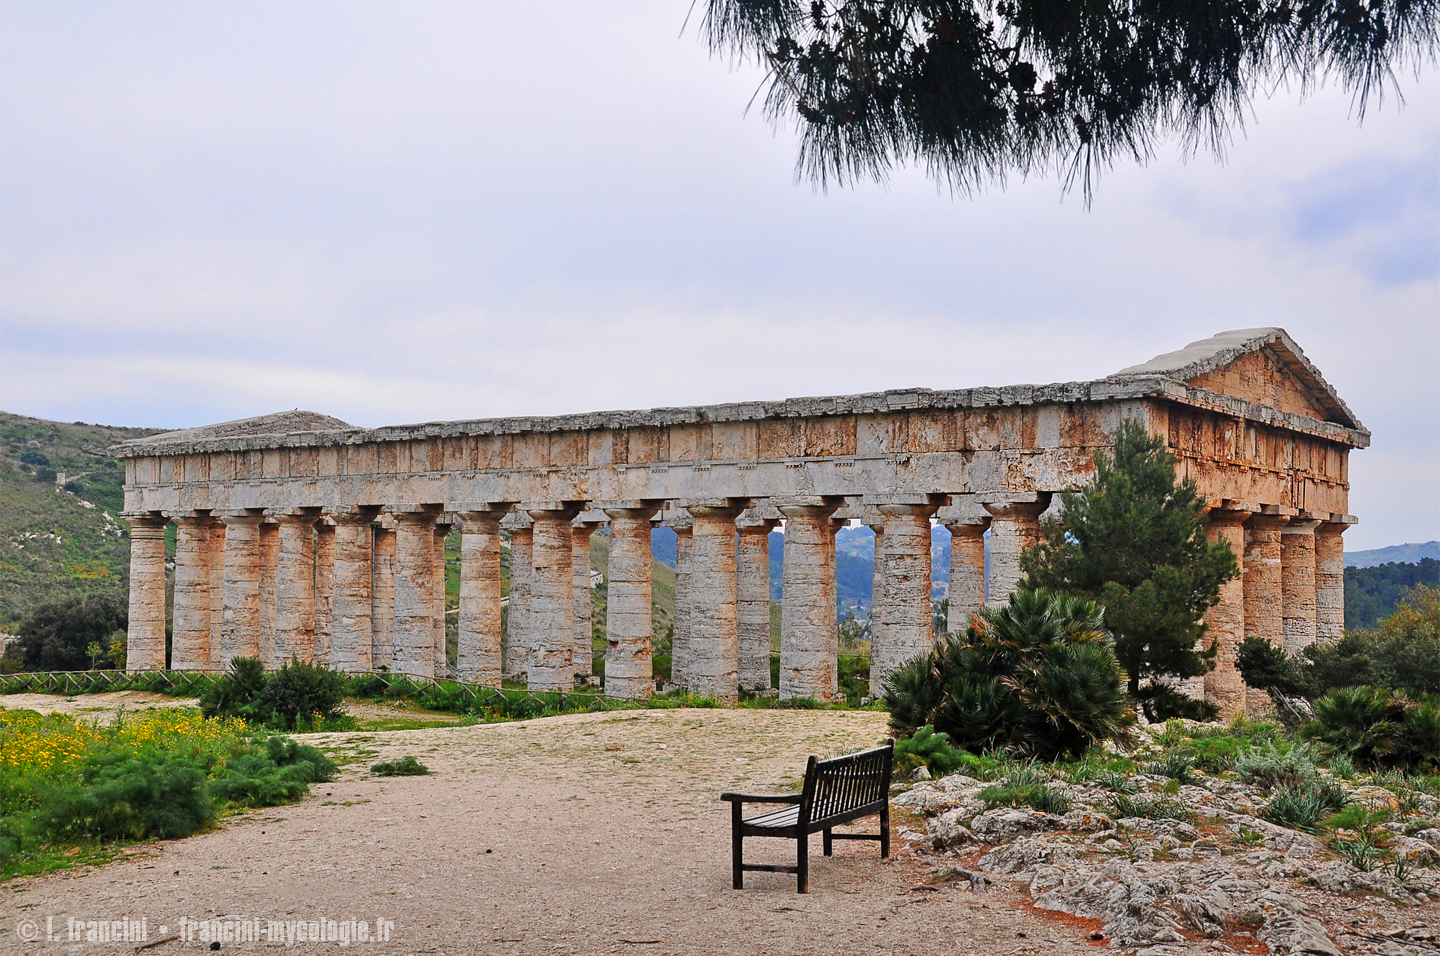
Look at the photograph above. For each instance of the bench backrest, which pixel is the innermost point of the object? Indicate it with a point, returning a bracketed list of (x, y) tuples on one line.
[(842, 785)]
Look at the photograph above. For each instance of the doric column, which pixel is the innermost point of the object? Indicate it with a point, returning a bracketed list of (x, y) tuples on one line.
[(145, 639), (414, 646), (580, 531), (1225, 622), (680, 640), (807, 625), (752, 600), (442, 650), (522, 574), (190, 621), (324, 589), (478, 651), (269, 574), (628, 619), (966, 592), (382, 596), (240, 624), (908, 630), (295, 590), (1329, 582), (552, 602), (877, 580), (713, 668), (1014, 526), (217, 591), (1297, 584), (1261, 580), (351, 602)]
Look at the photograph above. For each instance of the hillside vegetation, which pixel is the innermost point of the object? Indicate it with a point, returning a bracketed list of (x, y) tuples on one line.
[(57, 541), (1373, 593)]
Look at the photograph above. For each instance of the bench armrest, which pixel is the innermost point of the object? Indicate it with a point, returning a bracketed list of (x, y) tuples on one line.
[(761, 797)]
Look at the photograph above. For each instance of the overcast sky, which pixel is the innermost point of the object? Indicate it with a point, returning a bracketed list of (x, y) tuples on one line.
[(397, 213)]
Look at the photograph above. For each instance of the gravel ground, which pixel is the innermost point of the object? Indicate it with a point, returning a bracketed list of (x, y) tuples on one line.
[(103, 706), (597, 833)]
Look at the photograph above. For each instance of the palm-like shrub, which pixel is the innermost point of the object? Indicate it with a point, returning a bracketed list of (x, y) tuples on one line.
[(1373, 727), (1036, 677)]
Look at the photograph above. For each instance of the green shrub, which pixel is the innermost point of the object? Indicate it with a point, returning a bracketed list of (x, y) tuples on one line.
[(233, 694), (406, 766), (1375, 728), (1271, 766), (125, 796), (1299, 807), (300, 691), (929, 748), (280, 773), (1036, 677)]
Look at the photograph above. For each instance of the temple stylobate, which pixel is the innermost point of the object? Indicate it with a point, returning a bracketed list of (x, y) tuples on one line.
[(300, 537)]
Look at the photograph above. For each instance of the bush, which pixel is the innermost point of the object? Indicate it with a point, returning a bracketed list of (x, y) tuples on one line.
[(55, 636), (128, 797), (1270, 767), (1124, 805), (280, 773), (233, 694), (300, 692), (1039, 797), (1173, 763), (1036, 677), (406, 766), (930, 749), (1375, 728)]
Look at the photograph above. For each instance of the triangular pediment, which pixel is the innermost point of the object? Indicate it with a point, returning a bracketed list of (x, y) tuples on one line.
[(278, 423), (1263, 366)]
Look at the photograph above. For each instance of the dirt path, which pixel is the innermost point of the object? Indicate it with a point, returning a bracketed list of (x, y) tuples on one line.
[(103, 706), (593, 833)]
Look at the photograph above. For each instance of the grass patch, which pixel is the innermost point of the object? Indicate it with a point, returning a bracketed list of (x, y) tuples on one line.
[(406, 766), (1148, 807)]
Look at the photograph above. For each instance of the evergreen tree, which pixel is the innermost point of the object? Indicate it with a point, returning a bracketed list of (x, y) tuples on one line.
[(1134, 541), (974, 90)]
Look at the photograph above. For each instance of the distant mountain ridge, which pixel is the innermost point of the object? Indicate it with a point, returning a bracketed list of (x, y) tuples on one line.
[(1404, 553)]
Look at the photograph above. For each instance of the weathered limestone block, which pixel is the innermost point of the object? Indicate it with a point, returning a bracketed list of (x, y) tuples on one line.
[(190, 620), (680, 640), (414, 645), (1329, 582), (1297, 584), (1261, 578), (351, 604), (1014, 526), (966, 594), (324, 589), (217, 590), (628, 621), (442, 654), (522, 575), (269, 574), (145, 641), (713, 668), (552, 603), (240, 627), (1225, 623), (584, 654), (295, 590), (478, 654), (807, 625), (382, 596), (752, 602), (908, 628)]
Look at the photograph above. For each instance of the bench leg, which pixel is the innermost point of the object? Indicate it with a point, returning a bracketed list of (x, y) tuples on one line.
[(802, 863), (737, 849), (885, 831), (826, 841)]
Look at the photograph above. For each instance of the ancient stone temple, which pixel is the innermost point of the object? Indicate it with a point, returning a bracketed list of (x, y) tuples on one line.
[(300, 537)]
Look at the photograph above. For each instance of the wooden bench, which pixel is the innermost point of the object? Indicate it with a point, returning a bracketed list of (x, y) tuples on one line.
[(836, 791)]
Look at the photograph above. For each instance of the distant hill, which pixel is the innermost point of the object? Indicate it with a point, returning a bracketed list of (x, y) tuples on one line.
[(55, 539), (1374, 592), (1407, 553)]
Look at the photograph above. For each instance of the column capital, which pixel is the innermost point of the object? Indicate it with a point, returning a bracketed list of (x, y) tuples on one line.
[(816, 508), (416, 518), (1300, 527), (196, 516), (592, 519), (359, 515), (411, 507), (923, 509), (481, 520), (146, 519), (562, 510), (719, 512), (1018, 504), (246, 516), (1266, 522), (1227, 517), (639, 511), (969, 526), (497, 508)]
